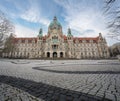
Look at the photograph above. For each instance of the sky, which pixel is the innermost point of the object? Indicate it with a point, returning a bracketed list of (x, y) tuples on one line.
[(86, 18)]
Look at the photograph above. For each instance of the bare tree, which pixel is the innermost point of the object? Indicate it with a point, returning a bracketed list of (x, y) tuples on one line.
[(109, 1), (6, 27), (113, 13), (9, 45)]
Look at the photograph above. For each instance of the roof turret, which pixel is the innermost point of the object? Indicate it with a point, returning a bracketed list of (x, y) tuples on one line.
[(69, 32), (40, 32)]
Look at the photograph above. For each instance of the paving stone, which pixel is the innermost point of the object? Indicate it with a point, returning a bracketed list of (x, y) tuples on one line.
[(99, 78), (14, 94)]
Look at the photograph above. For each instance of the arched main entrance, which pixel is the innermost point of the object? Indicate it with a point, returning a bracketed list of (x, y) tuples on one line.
[(54, 54), (48, 54), (61, 54)]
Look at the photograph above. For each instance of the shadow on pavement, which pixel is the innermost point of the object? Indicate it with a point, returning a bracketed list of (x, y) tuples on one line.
[(48, 92), (77, 72)]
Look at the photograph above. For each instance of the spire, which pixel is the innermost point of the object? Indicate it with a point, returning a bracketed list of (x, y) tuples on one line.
[(55, 18), (40, 32), (100, 35), (69, 32)]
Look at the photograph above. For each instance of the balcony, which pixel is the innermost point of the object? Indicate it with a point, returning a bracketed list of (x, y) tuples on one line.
[(55, 47)]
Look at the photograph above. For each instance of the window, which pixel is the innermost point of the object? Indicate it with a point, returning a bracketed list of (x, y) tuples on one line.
[(89, 54), (29, 41), (87, 41), (91, 41), (48, 49), (55, 39), (19, 41), (81, 54), (54, 46), (23, 41)]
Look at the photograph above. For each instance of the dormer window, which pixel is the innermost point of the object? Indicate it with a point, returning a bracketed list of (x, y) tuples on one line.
[(29, 41), (91, 41), (23, 41), (83, 41), (87, 41)]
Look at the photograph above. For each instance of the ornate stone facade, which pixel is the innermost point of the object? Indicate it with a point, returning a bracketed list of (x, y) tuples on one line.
[(57, 45)]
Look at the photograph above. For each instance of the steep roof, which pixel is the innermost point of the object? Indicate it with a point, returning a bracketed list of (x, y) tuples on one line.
[(87, 39), (75, 39), (23, 39)]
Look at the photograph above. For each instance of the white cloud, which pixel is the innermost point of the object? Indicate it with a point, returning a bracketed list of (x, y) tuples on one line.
[(33, 14), (111, 41), (27, 10), (22, 31), (81, 18)]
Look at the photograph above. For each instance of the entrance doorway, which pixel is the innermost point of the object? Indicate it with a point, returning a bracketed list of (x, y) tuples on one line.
[(48, 54), (54, 54), (61, 54)]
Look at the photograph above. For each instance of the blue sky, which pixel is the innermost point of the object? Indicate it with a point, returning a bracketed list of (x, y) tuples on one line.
[(84, 17)]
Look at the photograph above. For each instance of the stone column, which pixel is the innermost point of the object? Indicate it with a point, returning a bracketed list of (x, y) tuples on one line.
[(64, 55), (45, 54), (58, 54), (3, 54), (51, 54)]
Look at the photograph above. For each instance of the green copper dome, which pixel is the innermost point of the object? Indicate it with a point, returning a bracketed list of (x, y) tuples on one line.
[(55, 23)]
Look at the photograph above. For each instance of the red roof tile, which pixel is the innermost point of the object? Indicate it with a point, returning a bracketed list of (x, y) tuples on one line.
[(95, 39), (23, 39)]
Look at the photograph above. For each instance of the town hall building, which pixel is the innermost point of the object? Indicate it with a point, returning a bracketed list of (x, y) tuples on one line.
[(57, 45)]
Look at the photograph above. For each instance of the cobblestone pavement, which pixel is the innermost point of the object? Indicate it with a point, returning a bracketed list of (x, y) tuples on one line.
[(60, 80), (9, 93)]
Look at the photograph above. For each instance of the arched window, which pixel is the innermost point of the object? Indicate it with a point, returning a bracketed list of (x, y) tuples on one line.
[(61, 54), (54, 54), (48, 54)]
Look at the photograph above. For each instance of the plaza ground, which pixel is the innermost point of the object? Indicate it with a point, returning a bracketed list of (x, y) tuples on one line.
[(59, 80)]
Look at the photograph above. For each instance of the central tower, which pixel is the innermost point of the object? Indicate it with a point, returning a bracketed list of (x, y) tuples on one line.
[(55, 26), (55, 46)]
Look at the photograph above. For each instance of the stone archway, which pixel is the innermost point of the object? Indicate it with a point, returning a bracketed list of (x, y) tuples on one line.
[(61, 54), (48, 54), (54, 54)]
